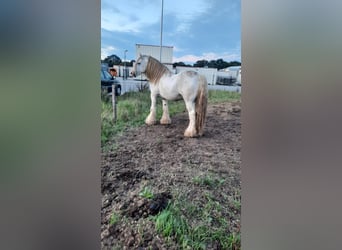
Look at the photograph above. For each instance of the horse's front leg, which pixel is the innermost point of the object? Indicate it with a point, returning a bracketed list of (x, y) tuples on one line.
[(166, 116), (191, 129), (151, 118)]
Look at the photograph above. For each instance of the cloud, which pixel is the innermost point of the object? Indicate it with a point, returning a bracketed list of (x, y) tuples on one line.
[(128, 16), (107, 51), (226, 56), (177, 49), (186, 11), (133, 16)]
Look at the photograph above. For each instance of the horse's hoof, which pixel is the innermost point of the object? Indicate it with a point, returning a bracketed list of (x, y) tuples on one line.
[(188, 133), (151, 123), (165, 121)]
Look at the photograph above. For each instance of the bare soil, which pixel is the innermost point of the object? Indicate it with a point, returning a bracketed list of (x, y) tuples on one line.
[(159, 157)]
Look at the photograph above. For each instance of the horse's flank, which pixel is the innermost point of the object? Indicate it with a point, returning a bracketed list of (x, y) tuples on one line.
[(155, 70)]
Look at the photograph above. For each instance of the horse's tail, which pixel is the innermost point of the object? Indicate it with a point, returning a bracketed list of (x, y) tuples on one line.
[(201, 104)]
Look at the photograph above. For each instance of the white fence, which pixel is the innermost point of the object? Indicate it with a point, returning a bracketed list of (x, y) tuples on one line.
[(226, 77), (209, 73), (213, 76)]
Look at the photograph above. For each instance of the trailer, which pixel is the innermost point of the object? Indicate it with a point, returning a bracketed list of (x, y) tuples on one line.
[(229, 76)]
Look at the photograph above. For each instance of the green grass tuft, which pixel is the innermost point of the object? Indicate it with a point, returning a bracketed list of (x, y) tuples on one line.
[(146, 193), (114, 219), (207, 180), (170, 223)]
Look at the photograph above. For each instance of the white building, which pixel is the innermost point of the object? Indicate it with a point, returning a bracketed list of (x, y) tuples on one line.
[(154, 51)]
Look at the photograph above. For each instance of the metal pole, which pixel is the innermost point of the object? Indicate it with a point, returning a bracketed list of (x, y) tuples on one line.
[(114, 103), (161, 32), (125, 70)]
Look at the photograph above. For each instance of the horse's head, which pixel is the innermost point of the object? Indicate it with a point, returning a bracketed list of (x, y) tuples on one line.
[(140, 65)]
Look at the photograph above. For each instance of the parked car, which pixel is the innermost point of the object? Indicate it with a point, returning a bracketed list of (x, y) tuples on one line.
[(107, 81)]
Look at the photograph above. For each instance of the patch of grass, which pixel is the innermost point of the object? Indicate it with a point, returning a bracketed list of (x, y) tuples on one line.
[(174, 224), (236, 200), (132, 110), (146, 193), (170, 223), (106, 121), (207, 180), (216, 96), (234, 241), (114, 219), (201, 237)]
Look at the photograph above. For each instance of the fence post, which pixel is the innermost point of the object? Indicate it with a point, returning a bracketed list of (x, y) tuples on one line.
[(114, 103)]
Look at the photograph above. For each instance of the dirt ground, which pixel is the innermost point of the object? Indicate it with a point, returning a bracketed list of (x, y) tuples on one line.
[(159, 157)]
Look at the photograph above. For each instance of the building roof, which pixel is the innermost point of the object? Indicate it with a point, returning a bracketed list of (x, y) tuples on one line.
[(148, 45)]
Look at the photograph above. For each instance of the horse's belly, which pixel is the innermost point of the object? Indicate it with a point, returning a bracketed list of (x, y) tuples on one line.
[(169, 92), (170, 96), (179, 86)]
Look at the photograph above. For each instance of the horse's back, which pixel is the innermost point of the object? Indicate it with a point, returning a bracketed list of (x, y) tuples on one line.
[(188, 83), (185, 83)]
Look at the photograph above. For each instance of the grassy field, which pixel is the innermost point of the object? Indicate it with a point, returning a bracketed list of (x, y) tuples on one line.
[(133, 108)]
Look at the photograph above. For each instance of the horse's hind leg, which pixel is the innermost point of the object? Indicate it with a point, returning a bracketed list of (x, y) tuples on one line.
[(191, 129), (166, 116)]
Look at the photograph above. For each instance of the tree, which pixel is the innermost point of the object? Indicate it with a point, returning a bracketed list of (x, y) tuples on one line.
[(218, 64), (112, 60), (212, 64), (221, 64), (234, 63), (201, 63), (180, 64)]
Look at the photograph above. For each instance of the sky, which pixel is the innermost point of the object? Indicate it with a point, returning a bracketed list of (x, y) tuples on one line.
[(196, 29)]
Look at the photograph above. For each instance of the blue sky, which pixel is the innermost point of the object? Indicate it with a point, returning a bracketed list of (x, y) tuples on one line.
[(197, 29)]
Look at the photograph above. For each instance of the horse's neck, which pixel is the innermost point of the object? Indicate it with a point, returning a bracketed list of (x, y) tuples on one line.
[(155, 71)]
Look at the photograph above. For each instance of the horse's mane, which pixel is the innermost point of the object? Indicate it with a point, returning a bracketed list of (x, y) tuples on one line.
[(155, 70)]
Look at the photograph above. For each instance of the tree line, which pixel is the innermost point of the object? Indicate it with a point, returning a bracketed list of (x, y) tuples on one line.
[(218, 64), (115, 60)]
